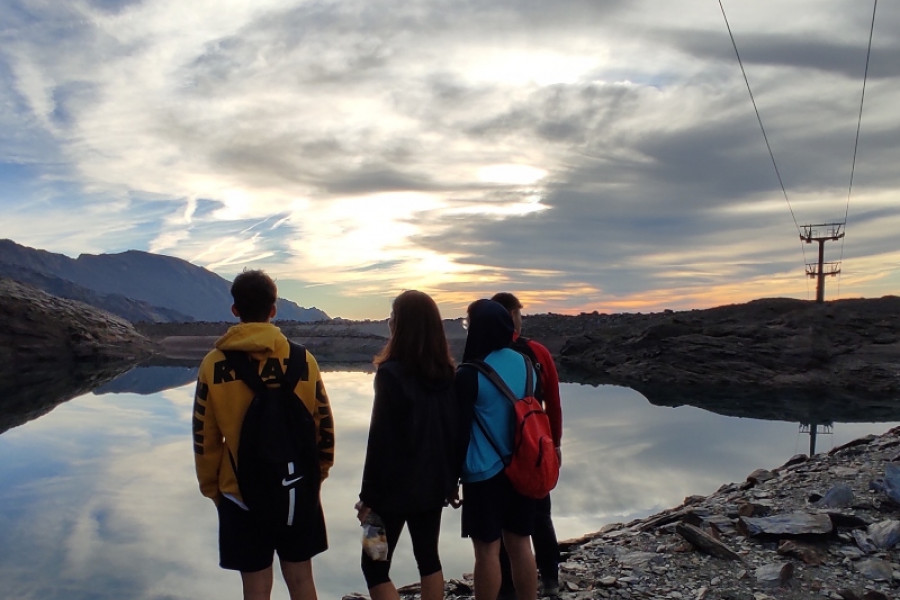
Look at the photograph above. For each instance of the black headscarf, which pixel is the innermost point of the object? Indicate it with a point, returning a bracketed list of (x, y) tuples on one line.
[(490, 328)]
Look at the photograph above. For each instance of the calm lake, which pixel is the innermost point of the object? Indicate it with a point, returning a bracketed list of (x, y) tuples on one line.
[(99, 499)]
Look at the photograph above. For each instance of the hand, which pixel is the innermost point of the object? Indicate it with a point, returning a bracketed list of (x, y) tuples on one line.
[(454, 499), (362, 511)]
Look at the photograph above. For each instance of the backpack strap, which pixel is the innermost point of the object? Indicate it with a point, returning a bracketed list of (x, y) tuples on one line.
[(494, 377), (245, 369), (297, 368), (522, 346)]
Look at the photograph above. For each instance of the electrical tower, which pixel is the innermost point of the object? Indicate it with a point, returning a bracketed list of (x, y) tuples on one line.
[(821, 233)]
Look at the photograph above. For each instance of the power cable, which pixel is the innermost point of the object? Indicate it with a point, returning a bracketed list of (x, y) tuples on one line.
[(862, 100), (763, 129)]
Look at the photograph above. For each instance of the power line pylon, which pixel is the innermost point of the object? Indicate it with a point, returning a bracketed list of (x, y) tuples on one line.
[(821, 233)]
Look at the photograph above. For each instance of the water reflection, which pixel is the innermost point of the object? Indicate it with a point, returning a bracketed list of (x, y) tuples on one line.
[(100, 500), (28, 391)]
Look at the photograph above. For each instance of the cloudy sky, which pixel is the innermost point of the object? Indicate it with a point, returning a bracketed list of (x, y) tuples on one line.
[(587, 154)]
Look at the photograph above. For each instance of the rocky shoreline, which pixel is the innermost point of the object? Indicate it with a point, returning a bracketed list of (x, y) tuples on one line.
[(825, 526), (832, 350)]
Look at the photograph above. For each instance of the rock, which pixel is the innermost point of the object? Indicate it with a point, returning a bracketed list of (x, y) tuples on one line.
[(892, 481), (797, 523), (775, 574), (796, 460), (705, 542), (639, 559), (808, 554), (760, 475), (884, 535), (840, 496), (864, 543), (875, 569)]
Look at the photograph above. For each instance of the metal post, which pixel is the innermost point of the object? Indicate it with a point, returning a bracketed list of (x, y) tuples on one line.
[(820, 281), (822, 233)]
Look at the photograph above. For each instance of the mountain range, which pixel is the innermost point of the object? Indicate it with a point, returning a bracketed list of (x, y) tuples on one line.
[(138, 286)]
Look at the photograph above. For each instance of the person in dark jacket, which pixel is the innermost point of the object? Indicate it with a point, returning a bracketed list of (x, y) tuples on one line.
[(412, 456), (492, 508), (543, 538)]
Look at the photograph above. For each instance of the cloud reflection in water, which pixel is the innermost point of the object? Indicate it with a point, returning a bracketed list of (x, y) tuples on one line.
[(100, 500)]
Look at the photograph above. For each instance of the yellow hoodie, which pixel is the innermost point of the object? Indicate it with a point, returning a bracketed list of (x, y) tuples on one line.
[(222, 399)]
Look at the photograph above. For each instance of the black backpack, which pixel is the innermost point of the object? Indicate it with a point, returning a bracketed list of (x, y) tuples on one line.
[(277, 466)]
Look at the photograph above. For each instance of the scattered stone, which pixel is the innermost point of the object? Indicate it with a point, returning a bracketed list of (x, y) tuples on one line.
[(840, 496), (808, 554), (875, 569), (752, 509), (892, 481), (639, 559), (797, 523), (775, 574), (816, 556), (885, 534), (706, 543), (760, 475), (796, 460)]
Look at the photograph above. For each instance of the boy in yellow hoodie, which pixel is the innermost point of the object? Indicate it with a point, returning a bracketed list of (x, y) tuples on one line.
[(247, 543)]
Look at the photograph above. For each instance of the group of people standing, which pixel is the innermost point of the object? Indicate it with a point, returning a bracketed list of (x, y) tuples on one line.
[(434, 425)]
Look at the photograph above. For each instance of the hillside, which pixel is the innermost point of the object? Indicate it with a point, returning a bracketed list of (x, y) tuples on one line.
[(52, 349), (138, 286), (817, 358)]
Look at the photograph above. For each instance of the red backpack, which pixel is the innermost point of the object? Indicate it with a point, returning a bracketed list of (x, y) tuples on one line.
[(533, 466)]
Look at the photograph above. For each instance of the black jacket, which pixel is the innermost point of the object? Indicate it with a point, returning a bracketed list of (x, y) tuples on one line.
[(412, 462)]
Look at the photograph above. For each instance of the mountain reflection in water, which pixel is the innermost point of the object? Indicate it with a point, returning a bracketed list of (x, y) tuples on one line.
[(102, 502)]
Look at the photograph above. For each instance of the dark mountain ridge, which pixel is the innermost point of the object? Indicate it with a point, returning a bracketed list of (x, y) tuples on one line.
[(136, 285)]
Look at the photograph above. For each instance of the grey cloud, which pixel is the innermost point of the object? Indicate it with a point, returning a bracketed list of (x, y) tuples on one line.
[(113, 6), (788, 50), (372, 179), (378, 266)]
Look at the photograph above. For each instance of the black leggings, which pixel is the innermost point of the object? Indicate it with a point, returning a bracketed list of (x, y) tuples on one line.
[(424, 530)]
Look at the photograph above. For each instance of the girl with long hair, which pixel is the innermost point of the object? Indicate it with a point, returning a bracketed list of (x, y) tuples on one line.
[(412, 459)]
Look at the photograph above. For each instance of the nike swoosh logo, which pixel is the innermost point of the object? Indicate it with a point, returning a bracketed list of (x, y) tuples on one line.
[(289, 482)]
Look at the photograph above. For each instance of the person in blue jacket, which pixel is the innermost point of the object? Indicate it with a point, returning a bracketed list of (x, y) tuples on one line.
[(492, 509)]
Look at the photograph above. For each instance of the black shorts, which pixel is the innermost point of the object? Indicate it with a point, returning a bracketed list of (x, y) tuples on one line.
[(493, 506), (247, 543)]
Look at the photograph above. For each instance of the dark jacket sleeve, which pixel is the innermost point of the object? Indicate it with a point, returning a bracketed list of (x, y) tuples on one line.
[(387, 414), (466, 389), (550, 388)]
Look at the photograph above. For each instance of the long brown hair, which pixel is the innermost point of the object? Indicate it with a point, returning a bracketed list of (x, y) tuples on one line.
[(417, 337)]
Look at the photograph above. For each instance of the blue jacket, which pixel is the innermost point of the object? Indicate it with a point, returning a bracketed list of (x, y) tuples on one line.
[(495, 412)]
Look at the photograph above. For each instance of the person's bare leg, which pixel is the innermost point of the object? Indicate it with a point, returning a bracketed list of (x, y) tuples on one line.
[(299, 579), (257, 584), (522, 565), (384, 591), (432, 586), (487, 569)]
